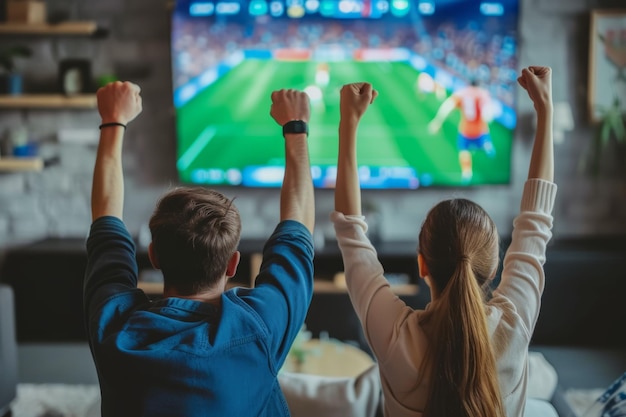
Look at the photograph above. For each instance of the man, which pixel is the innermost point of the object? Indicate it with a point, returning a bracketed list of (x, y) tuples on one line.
[(201, 350), (475, 105)]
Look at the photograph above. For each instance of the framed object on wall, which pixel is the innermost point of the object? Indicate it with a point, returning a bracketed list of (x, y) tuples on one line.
[(607, 62), (75, 76)]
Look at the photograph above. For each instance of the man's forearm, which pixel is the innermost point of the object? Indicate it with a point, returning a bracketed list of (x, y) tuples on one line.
[(297, 201), (107, 196), (347, 190)]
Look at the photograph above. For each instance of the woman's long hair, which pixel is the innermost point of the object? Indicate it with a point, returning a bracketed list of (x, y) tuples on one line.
[(459, 245)]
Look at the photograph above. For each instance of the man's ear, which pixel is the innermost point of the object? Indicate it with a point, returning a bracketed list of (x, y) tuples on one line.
[(233, 262), (152, 255), (421, 265)]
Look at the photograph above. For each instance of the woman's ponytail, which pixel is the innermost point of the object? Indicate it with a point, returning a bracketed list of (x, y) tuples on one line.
[(460, 358)]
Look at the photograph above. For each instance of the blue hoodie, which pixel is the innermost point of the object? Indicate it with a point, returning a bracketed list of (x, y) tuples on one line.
[(180, 357)]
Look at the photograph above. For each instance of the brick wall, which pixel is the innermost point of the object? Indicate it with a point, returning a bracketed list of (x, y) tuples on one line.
[(55, 202)]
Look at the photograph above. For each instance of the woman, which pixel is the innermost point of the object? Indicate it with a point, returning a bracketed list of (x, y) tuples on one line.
[(463, 355)]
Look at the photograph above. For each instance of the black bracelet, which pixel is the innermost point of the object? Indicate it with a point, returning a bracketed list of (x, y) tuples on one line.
[(112, 124)]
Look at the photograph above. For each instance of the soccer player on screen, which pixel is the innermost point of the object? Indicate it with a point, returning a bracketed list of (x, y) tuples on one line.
[(317, 92), (322, 75), (475, 106)]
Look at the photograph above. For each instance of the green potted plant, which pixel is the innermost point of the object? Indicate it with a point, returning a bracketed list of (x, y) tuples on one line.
[(610, 131), (12, 80), (610, 128)]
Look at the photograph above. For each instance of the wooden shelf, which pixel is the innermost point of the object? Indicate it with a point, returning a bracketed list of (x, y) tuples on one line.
[(329, 287), (319, 287), (48, 101), (338, 285), (156, 288), (404, 289), (10, 164), (151, 288), (66, 28), (150, 280)]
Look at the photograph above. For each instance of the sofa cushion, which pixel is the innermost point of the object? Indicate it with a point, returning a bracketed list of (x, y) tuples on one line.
[(542, 377), (313, 395), (539, 408), (8, 349)]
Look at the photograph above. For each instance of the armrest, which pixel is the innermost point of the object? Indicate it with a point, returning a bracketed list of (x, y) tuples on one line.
[(8, 349)]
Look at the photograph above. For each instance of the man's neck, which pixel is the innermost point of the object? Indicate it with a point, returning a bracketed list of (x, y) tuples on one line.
[(212, 296)]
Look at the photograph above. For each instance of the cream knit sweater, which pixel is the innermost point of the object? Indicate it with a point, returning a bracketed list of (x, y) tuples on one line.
[(393, 330)]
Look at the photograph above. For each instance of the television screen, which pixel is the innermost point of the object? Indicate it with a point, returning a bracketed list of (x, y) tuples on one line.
[(445, 71)]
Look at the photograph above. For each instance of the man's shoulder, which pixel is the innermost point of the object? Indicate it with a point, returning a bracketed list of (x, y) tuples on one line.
[(291, 233), (109, 223), (292, 226), (107, 228)]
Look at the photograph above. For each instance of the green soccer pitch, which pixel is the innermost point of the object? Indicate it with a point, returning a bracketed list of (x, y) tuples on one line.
[(228, 125)]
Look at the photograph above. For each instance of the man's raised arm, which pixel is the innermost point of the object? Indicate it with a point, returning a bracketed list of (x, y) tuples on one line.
[(291, 109), (118, 103)]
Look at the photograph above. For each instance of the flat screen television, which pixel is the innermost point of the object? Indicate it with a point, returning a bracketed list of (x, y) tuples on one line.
[(445, 71)]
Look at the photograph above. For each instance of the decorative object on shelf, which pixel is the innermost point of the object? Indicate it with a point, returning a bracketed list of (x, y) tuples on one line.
[(75, 76), (15, 137), (12, 80), (607, 87), (26, 11), (18, 152)]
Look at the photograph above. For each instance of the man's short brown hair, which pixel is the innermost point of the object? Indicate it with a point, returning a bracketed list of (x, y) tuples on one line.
[(195, 231)]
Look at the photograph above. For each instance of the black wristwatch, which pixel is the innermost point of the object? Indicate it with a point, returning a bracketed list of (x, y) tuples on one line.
[(296, 126)]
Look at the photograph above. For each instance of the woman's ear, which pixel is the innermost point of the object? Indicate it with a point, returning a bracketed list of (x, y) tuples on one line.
[(421, 265), (423, 271), (233, 262), (152, 255)]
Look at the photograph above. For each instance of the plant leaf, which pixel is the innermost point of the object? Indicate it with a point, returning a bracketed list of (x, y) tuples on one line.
[(8, 55), (617, 125), (605, 132)]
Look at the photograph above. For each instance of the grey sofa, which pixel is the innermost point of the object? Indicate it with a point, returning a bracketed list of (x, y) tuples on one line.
[(8, 350)]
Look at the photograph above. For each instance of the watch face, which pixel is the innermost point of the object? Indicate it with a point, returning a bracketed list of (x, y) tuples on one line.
[(295, 126)]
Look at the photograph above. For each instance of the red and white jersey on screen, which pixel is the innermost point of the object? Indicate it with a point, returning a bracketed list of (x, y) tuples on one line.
[(474, 103)]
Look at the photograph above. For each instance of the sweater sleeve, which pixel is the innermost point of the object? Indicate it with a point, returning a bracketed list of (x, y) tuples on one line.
[(523, 277), (377, 307)]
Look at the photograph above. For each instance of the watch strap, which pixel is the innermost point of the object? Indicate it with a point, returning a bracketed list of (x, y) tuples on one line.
[(296, 126)]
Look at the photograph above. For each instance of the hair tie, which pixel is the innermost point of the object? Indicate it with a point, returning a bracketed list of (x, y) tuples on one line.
[(464, 258)]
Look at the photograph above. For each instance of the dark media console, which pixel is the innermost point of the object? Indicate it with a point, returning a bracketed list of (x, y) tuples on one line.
[(582, 303), (47, 277)]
